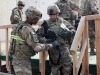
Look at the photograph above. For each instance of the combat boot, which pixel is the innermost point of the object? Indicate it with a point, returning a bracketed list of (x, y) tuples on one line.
[(92, 52)]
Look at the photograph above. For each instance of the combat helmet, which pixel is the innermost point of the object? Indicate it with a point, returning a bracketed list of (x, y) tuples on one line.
[(53, 9), (21, 3), (33, 12)]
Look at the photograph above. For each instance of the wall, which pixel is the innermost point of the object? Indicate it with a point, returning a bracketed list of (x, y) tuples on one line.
[(5, 10), (6, 7)]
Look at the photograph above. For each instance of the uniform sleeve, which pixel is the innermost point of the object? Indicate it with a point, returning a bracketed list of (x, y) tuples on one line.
[(67, 23), (16, 15), (30, 38), (69, 26), (93, 6), (73, 5)]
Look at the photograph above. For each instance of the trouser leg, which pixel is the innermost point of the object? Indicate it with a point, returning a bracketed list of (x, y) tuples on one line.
[(54, 70), (22, 67), (67, 69)]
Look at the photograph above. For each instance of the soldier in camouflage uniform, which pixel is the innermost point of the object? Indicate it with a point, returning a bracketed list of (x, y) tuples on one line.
[(63, 56), (17, 13), (25, 44), (67, 8), (88, 7)]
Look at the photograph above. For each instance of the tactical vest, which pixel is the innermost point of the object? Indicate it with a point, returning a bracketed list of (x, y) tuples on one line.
[(13, 41), (13, 21), (18, 46)]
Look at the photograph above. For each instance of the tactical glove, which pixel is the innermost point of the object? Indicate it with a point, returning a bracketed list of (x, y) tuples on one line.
[(52, 34), (55, 43), (65, 33)]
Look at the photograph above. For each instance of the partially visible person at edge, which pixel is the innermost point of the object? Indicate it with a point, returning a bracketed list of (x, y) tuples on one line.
[(59, 56), (67, 7), (17, 13), (24, 42), (88, 7)]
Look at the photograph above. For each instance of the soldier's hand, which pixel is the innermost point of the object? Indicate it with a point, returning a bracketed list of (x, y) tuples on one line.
[(55, 43)]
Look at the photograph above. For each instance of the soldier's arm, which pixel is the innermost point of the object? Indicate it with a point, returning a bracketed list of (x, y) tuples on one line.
[(16, 15), (31, 39), (93, 6), (67, 30), (69, 26), (73, 5)]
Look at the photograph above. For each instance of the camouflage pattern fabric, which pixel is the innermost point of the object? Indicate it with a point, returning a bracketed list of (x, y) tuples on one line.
[(26, 43), (33, 12), (25, 47), (65, 59), (66, 69), (20, 2), (66, 8), (22, 67), (53, 9), (16, 16), (88, 7)]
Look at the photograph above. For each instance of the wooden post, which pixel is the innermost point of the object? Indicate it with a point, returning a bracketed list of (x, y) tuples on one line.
[(79, 60), (46, 55), (0, 54), (97, 30), (76, 42), (42, 62), (7, 55), (85, 64), (0, 47)]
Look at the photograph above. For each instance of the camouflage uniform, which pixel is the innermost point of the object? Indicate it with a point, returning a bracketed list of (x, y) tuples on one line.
[(26, 44), (65, 59), (66, 8), (88, 7), (17, 14)]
